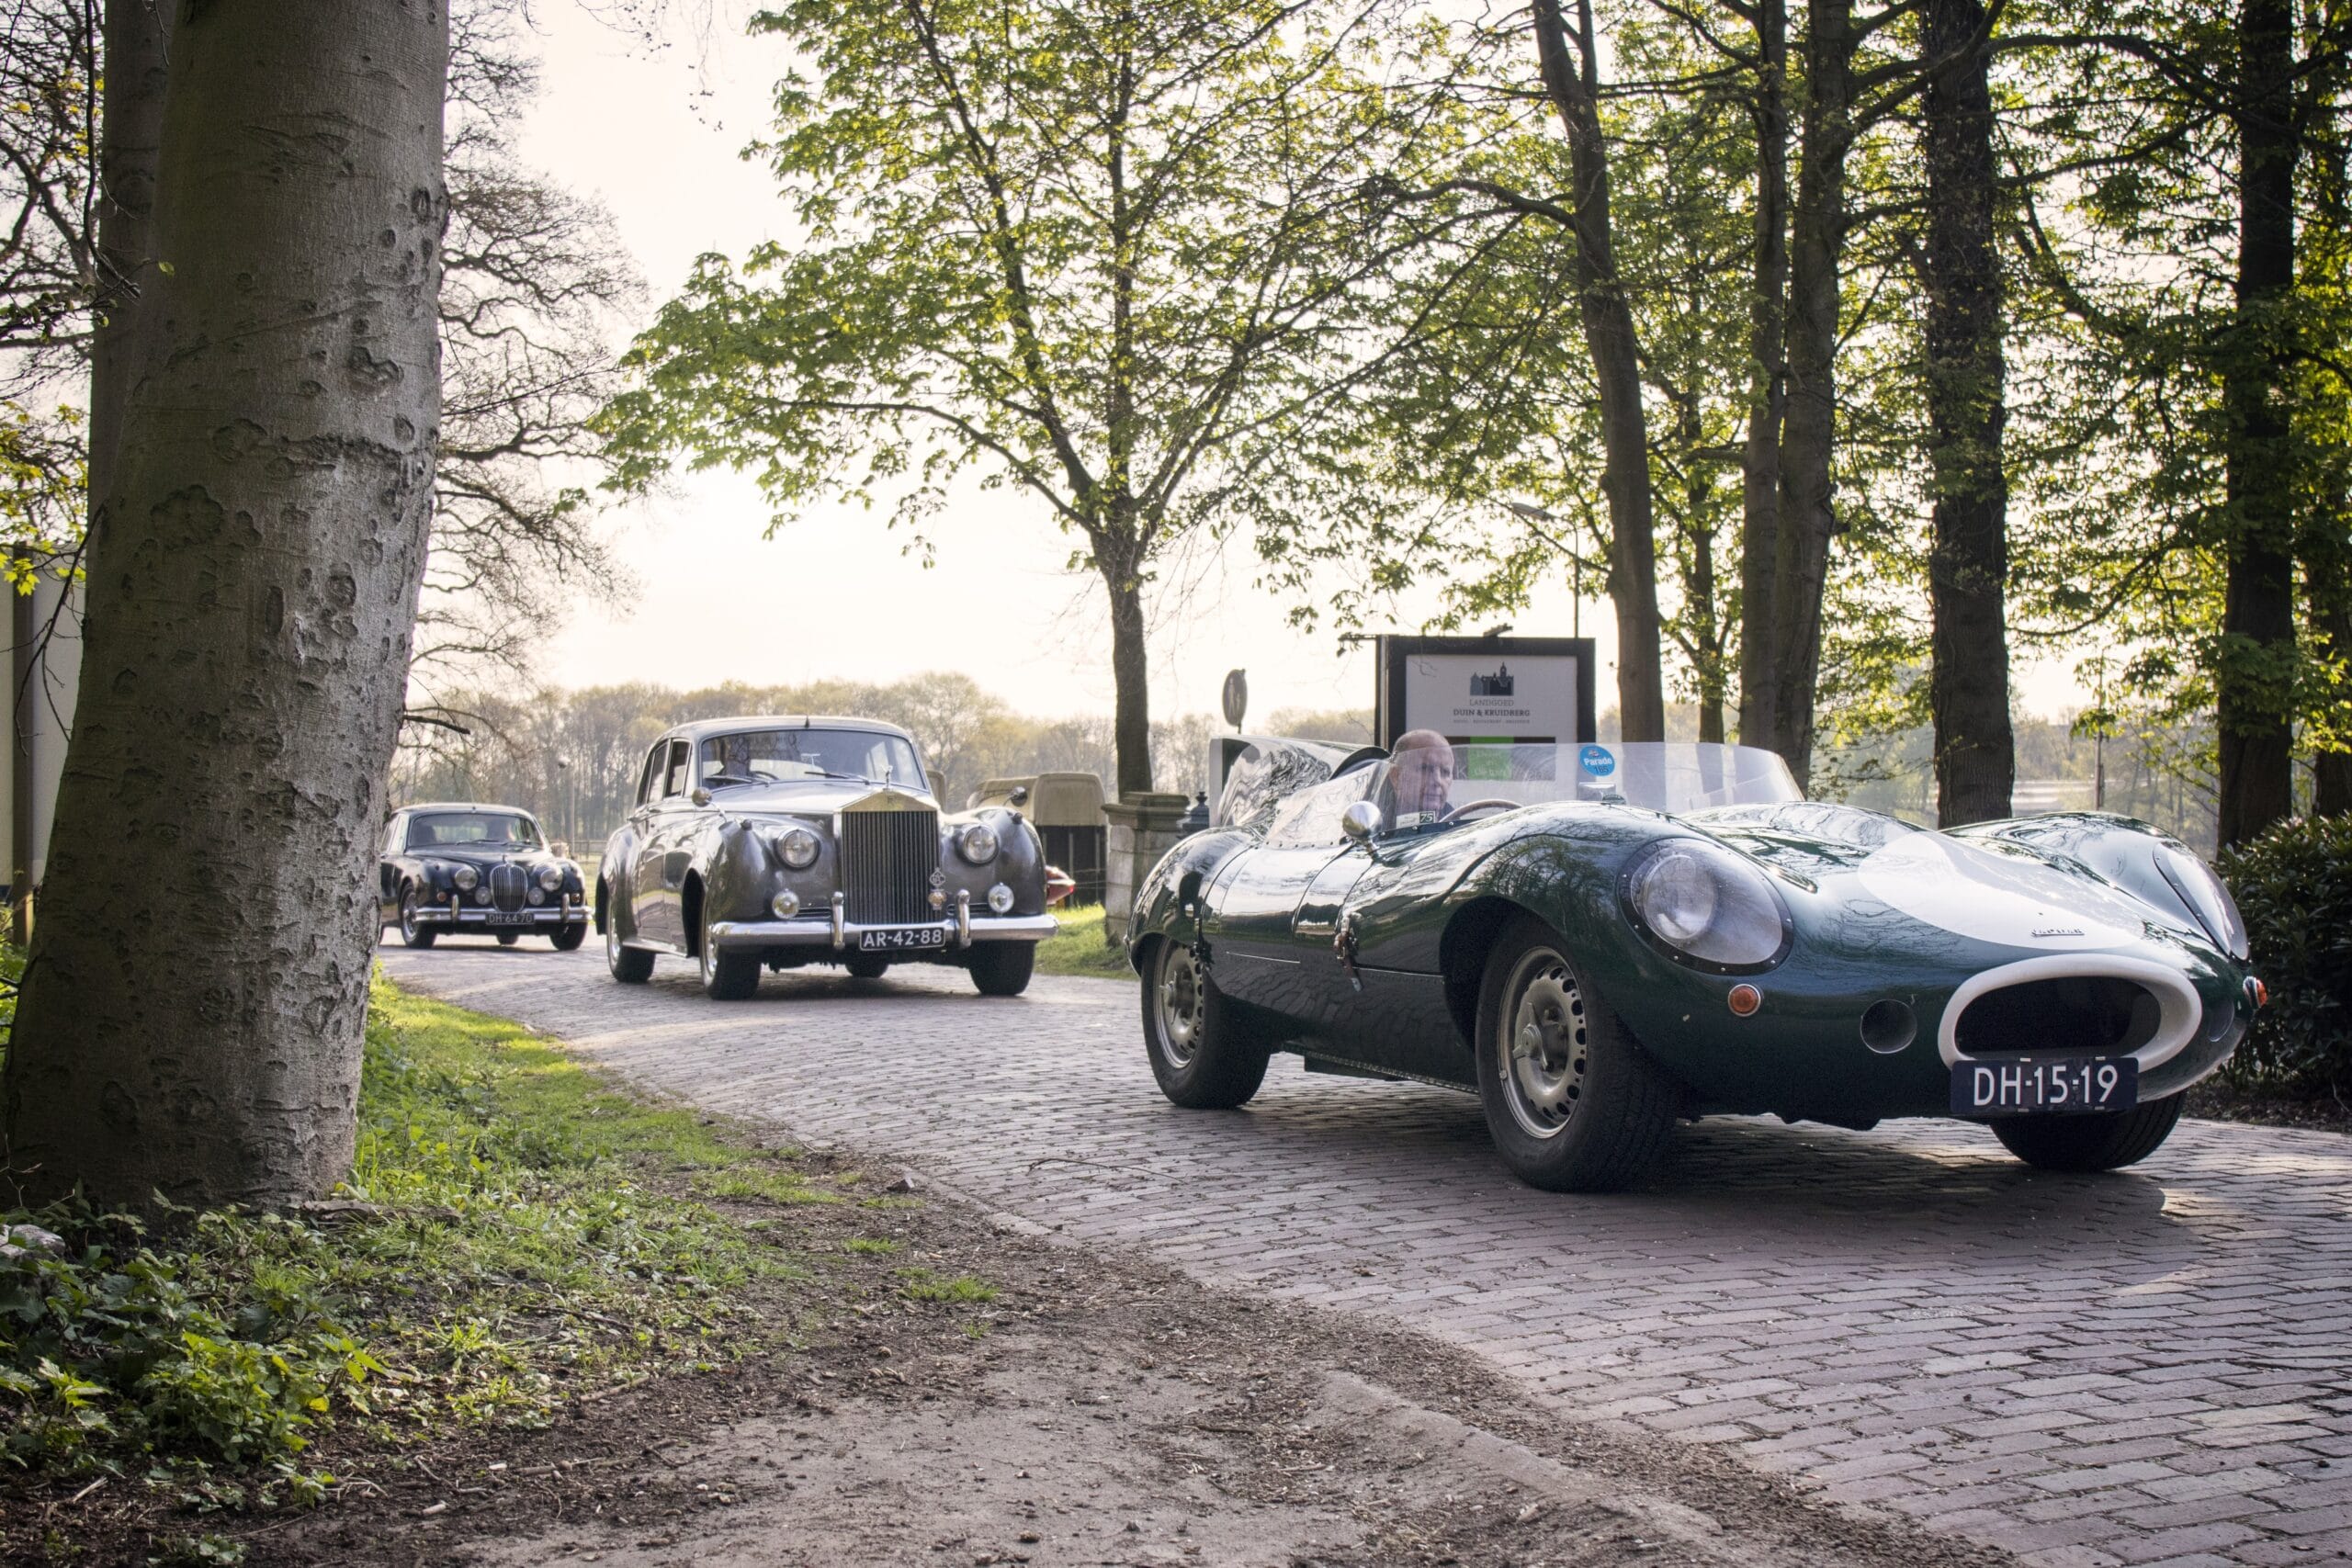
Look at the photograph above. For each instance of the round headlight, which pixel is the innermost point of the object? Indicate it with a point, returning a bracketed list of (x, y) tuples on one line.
[(2207, 898), (550, 878), (785, 904), (537, 897), (465, 876), (976, 843), (481, 895), (797, 848), (1703, 902), (1001, 899)]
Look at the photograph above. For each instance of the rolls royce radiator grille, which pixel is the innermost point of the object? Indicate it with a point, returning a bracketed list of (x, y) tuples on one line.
[(507, 885), (886, 860)]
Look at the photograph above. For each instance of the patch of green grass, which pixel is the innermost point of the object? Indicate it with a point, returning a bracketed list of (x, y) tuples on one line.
[(1076, 947), (923, 1285), (870, 1244), (516, 1237)]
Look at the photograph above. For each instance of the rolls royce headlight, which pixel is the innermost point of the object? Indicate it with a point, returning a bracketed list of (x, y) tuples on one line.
[(785, 904), (465, 876), (976, 843), (1708, 905), (797, 848), (1001, 899), (550, 878), (2207, 899)]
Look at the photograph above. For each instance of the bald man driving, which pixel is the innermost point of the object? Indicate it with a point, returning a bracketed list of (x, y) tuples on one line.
[(1421, 776)]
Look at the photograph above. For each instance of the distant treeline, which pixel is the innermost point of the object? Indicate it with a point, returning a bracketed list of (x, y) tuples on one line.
[(573, 756)]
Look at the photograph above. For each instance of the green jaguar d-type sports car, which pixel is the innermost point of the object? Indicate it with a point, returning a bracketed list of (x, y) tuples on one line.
[(1598, 939)]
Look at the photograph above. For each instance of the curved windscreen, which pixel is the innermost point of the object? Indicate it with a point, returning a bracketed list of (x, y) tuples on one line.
[(428, 830), (772, 756), (1268, 772), (1426, 785)]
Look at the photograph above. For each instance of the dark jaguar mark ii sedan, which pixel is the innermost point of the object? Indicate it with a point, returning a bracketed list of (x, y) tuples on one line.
[(465, 866), (1598, 939), (785, 841)]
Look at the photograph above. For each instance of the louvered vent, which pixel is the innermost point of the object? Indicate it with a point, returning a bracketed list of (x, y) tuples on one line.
[(886, 860)]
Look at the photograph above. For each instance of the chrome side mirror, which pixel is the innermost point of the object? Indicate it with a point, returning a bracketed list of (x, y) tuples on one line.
[(1361, 820), (1019, 794), (701, 796)]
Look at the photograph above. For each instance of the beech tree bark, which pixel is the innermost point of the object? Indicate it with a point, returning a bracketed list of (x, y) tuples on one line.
[(1808, 517), (2253, 676), (1769, 382), (137, 34), (191, 1015), (1968, 561), (1571, 80)]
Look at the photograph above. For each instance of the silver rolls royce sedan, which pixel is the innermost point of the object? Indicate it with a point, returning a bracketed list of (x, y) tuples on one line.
[(783, 841)]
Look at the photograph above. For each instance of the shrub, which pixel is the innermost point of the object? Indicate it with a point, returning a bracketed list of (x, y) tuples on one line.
[(2293, 883)]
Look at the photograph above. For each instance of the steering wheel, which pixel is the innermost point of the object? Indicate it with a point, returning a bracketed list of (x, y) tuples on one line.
[(1490, 804)]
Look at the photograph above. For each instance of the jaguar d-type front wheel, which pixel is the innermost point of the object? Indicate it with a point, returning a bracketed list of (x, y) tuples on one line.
[(2089, 1142), (1199, 1054), (1572, 1102)]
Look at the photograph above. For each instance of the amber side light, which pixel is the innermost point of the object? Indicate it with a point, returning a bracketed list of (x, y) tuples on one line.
[(1745, 999)]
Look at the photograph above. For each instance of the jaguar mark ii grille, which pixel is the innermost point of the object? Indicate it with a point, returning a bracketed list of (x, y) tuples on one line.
[(507, 885), (886, 860)]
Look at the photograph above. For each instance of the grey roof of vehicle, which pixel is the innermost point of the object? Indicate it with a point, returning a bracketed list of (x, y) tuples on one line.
[(465, 806), (699, 727)]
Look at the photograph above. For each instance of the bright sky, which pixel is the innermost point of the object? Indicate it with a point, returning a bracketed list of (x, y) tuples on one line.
[(832, 595)]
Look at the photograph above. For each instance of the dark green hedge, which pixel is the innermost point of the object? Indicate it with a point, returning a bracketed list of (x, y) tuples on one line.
[(2293, 883)]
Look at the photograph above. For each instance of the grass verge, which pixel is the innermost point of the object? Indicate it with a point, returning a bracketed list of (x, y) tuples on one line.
[(515, 1236), (1076, 947)]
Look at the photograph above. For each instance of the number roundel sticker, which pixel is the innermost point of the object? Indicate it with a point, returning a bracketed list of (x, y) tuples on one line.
[(1598, 760)]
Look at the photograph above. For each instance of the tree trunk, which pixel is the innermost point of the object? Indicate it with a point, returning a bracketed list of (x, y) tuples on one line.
[(2327, 581), (191, 1015), (1768, 382), (1968, 563), (1131, 711), (137, 46), (1808, 518), (2253, 680), (1611, 340)]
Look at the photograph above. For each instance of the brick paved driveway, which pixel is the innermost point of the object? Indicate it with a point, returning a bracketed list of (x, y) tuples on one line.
[(2154, 1366)]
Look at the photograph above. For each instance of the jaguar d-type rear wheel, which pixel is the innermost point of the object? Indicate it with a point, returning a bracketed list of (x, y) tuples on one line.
[(1199, 1054), (2089, 1142), (1572, 1103)]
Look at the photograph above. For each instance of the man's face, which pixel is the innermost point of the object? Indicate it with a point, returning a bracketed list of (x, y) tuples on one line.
[(1424, 779)]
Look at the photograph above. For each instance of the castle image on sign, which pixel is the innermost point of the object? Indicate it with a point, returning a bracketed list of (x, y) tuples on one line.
[(1501, 684)]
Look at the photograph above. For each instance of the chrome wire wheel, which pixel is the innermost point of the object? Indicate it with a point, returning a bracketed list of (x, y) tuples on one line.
[(612, 937), (1181, 1005), (408, 918), (1542, 1046)]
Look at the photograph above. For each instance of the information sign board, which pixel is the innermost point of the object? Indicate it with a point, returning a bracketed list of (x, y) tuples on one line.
[(1519, 690)]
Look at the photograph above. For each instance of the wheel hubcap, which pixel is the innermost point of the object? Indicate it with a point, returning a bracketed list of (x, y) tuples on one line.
[(1184, 1005), (408, 917), (1543, 1044)]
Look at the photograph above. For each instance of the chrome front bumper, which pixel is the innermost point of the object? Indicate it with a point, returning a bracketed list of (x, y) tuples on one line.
[(823, 930), (464, 915)]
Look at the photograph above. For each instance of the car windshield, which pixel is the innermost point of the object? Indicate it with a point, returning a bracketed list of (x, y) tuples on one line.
[(771, 756), (1428, 783), (429, 828)]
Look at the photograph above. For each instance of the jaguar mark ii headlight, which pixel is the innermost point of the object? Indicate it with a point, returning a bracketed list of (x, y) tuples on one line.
[(537, 897), (465, 876), (550, 878), (976, 843), (2206, 897), (1707, 906), (797, 848), (481, 895), (1001, 899), (785, 904)]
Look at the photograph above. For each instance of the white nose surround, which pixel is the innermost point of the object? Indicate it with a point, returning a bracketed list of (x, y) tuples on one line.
[(2181, 1009)]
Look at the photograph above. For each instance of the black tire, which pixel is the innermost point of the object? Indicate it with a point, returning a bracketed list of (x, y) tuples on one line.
[(1002, 968), (507, 939), (412, 933), (1576, 1106), (568, 938), (726, 977), (630, 966), (2089, 1142), (866, 966), (1200, 1057)]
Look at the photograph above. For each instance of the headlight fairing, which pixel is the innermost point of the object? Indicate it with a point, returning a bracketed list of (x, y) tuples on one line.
[(797, 848), (1707, 907), (2206, 897), (976, 843), (465, 876)]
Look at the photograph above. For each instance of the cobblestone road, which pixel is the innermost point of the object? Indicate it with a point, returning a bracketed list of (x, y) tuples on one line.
[(2154, 1366)]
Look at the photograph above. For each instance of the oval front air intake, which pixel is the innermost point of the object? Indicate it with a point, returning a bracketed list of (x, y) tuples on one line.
[(508, 883)]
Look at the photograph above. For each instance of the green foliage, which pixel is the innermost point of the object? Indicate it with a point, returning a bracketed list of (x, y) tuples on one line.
[(497, 1251), (2293, 884), (923, 1285), (1076, 947)]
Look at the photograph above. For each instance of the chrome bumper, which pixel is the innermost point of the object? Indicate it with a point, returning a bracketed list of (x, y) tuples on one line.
[(479, 915), (823, 930)]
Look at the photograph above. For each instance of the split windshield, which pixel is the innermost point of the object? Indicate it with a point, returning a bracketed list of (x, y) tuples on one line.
[(772, 756), (434, 829)]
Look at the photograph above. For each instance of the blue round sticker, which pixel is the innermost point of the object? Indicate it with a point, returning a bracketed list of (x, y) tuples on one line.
[(1597, 761)]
